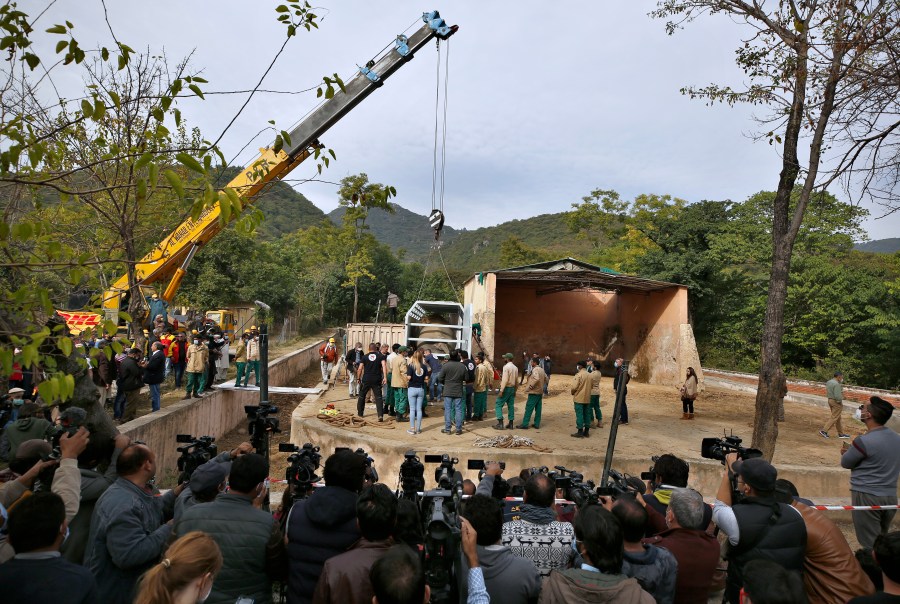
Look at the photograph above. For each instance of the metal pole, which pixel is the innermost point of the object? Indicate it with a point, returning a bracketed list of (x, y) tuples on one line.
[(264, 362), (614, 427)]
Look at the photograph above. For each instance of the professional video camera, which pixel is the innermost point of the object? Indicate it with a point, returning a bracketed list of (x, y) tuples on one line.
[(70, 421), (371, 472), (412, 475), (576, 488), (651, 473), (445, 475), (301, 472), (194, 454), (622, 485), (501, 487), (440, 514), (261, 424), (718, 448)]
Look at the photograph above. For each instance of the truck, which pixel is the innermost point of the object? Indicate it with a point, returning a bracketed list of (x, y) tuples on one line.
[(169, 260)]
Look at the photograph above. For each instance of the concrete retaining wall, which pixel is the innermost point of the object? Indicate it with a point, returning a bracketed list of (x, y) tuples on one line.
[(218, 413)]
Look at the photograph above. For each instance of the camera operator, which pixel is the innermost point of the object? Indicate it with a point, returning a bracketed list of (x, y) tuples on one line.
[(670, 473), (37, 528), (208, 480), (599, 579), (874, 466), (324, 524), (508, 578), (654, 567), (129, 528), (93, 484), (537, 535), (696, 552), (251, 543), (345, 578), (757, 526)]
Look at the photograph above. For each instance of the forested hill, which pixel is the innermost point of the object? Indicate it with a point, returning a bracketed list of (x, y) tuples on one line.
[(880, 246), (285, 209), (401, 230)]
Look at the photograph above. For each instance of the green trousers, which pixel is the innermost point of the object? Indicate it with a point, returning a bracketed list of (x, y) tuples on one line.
[(401, 400), (595, 413), (508, 398), (533, 404), (582, 416), (196, 382), (241, 369), (479, 402), (254, 367)]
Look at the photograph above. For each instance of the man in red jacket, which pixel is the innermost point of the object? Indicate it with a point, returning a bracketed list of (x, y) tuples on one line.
[(697, 552), (328, 354)]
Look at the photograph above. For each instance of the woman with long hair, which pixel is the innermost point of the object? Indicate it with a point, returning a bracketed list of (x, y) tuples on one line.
[(417, 372), (186, 573), (689, 394)]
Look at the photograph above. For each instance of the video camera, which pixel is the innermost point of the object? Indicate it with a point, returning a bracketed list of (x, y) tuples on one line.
[(70, 421), (622, 485), (501, 486), (194, 454), (412, 475), (718, 448), (371, 472), (576, 488), (651, 473), (445, 475), (301, 472), (261, 424)]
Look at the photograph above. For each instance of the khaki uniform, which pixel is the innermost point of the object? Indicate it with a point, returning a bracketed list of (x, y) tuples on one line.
[(536, 379), (581, 387), (483, 377)]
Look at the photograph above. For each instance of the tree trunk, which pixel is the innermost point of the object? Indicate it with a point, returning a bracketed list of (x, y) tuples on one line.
[(355, 298)]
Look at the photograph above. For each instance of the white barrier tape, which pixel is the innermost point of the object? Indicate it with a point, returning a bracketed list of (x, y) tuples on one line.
[(836, 508)]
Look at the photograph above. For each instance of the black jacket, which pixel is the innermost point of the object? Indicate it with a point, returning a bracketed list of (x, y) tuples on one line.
[(154, 372), (319, 527), (768, 530), (130, 375)]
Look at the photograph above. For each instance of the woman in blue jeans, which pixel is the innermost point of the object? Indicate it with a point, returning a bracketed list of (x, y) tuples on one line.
[(418, 372)]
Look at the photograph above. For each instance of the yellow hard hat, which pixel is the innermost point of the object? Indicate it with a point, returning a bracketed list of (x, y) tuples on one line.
[(252, 327), (331, 340), (194, 331)]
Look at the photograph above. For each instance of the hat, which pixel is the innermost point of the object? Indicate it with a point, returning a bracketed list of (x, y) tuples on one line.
[(246, 331), (13, 391), (331, 340), (875, 401), (209, 475), (155, 296), (252, 327), (508, 355), (403, 349), (33, 449), (757, 472), (194, 331)]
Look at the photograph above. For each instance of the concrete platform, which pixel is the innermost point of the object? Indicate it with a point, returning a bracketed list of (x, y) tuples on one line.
[(229, 385)]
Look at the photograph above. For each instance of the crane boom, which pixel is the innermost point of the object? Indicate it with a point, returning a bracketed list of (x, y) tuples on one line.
[(171, 257)]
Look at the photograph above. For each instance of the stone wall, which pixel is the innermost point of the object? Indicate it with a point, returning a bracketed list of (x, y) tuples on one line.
[(216, 414)]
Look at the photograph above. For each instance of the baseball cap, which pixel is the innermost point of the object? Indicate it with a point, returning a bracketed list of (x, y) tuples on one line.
[(14, 391), (508, 355), (209, 475), (757, 472)]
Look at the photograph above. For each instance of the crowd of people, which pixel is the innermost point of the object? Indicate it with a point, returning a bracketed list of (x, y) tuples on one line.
[(87, 523)]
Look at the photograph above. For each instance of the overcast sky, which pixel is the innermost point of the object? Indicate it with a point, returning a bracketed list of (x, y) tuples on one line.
[(547, 100)]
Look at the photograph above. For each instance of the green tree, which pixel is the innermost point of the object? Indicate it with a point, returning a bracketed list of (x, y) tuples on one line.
[(809, 62), (358, 196), (513, 252)]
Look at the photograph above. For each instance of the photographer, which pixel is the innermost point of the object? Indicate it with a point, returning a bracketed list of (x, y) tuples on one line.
[(324, 524), (757, 526), (208, 479), (508, 578), (345, 578), (670, 473), (537, 535), (251, 542)]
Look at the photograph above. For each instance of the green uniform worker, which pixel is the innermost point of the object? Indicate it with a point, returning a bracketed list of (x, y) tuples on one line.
[(581, 396), (594, 372), (484, 375), (197, 361), (535, 390), (400, 381), (508, 380)]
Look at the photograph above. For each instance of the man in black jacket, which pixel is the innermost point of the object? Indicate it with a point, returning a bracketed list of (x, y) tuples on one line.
[(758, 527), (323, 525), (155, 372), (131, 381)]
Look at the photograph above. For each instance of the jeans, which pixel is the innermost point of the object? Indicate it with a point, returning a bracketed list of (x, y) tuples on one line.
[(436, 388), (154, 396), (453, 411), (687, 405), (168, 369), (119, 404), (416, 401), (354, 383), (546, 384), (178, 368)]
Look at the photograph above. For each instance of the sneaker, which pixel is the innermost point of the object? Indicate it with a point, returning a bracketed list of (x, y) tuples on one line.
[(459, 432), (842, 435), (380, 418), (410, 431), (445, 431), (823, 434)]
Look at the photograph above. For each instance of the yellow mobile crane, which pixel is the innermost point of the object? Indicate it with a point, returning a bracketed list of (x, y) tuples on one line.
[(170, 259)]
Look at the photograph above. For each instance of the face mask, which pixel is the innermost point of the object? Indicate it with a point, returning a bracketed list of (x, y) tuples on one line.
[(618, 364), (196, 341)]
